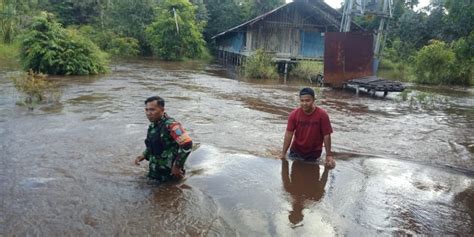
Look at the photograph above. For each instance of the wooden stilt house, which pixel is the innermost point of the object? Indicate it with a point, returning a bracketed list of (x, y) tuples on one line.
[(294, 31)]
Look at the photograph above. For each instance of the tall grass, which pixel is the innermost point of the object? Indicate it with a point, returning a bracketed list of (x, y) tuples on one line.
[(398, 71), (307, 69), (260, 66)]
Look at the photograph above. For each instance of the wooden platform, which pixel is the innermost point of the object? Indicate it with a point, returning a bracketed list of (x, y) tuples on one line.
[(373, 84)]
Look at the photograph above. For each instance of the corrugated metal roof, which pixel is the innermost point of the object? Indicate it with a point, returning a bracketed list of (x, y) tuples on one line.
[(252, 20), (313, 6)]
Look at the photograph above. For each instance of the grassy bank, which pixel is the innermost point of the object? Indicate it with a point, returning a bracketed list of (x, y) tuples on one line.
[(10, 55), (396, 71)]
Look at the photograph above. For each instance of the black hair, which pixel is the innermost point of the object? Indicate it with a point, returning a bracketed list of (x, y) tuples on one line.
[(160, 101), (307, 91)]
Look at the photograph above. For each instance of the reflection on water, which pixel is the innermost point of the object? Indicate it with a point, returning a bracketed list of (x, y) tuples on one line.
[(66, 169), (303, 184)]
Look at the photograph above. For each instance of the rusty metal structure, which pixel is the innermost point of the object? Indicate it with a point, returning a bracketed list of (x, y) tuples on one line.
[(378, 8), (347, 55), (351, 58)]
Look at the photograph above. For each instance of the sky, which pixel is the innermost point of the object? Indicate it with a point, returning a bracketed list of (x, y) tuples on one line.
[(337, 3)]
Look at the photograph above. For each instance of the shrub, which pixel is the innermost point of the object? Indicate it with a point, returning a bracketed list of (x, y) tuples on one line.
[(260, 65), (35, 88), (387, 64), (124, 47), (434, 64), (463, 68), (49, 48), (307, 69)]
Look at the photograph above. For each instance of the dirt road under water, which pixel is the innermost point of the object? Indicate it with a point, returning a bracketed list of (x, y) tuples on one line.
[(66, 169)]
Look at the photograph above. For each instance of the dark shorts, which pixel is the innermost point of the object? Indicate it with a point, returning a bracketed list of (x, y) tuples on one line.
[(310, 158)]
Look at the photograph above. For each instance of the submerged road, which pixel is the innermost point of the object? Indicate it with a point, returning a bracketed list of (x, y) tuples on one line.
[(66, 168)]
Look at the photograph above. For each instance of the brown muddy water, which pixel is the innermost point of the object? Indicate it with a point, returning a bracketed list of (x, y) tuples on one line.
[(66, 169)]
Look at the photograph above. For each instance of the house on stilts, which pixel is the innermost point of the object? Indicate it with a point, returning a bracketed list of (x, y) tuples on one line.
[(292, 32)]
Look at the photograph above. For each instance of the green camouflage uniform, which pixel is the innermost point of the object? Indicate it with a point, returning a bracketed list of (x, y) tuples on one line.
[(167, 144)]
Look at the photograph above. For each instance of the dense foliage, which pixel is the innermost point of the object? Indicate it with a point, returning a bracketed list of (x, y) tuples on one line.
[(111, 42), (73, 12), (49, 48), (175, 34), (129, 19), (218, 22), (413, 33)]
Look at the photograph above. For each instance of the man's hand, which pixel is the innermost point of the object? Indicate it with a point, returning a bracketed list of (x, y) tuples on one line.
[(139, 159), (330, 162), (177, 172)]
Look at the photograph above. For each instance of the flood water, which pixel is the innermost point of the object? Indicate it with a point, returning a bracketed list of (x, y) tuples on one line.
[(66, 168)]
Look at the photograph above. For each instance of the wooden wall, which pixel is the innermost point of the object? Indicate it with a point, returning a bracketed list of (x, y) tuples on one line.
[(281, 33)]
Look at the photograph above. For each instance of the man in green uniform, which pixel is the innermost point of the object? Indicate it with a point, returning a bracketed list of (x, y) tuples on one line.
[(168, 145)]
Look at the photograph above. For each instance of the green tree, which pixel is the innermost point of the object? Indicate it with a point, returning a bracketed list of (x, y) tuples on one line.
[(412, 28), (435, 22), (175, 34), (463, 69), (460, 18), (202, 15), (72, 12), (111, 42), (223, 14), (49, 48), (129, 18), (12, 16), (257, 7)]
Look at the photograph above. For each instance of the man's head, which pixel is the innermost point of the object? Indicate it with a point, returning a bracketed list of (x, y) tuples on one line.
[(154, 108), (307, 99)]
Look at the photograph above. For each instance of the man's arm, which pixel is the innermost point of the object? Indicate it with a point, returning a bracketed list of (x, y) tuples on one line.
[(139, 159), (285, 175), (143, 156), (185, 143), (183, 153), (184, 150), (286, 143), (330, 162)]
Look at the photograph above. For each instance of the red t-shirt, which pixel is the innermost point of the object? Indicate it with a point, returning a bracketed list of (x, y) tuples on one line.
[(309, 131)]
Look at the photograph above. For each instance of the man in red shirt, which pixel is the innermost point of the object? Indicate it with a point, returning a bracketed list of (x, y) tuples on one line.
[(308, 128)]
